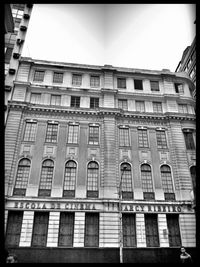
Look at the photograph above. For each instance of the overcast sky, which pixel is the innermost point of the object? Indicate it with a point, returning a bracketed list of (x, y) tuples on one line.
[(144, 36)]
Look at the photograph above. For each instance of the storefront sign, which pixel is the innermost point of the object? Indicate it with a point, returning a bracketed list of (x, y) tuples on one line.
[(107, 207)]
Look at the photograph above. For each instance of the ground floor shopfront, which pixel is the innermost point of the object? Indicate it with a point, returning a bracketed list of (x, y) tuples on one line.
[(54, 230)]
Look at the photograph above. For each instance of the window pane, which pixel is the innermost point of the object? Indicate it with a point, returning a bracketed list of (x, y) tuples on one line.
[(30, 131), (51, 134), (91, 230), (94, 135), (94, 81), (151, 228), (69, 179), (56, 100), (40, 229), (189, 141), (94, 102), (182, 108), (129, 230), (138, 84), (39, 76), (173, 230), (75, 101), (92, 179), (13, 229), (46, 178), (166, 179), (147, 184), (77, 79), (161, 139), (73, 134), (154, 85), (35, 98), (124, 137), (122, 103), (140, 106), (58, 77), (121, 83), (157, 107), (126, 181), (142, 138)]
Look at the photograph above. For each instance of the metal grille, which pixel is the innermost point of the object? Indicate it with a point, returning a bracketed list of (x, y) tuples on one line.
[(121, 83), (30, 131), (157, 107), (94, 135), (94, 102), (69, 179), (75, 101), (73, 134), (22, 177), (189, 141), (161, 139), (46, 178), (142, 138), (35, 98), (58, 77), (56, 100), (122, 103), (39, 76), (91, 230), (14, 225), (147, 184), (129, 230), (151, 228), (140, 106), (94, 81), (51, 135), (173, 230), (77, 79), (124, 137), (40, 229), (154, 85), (92, 179), (66, 229)]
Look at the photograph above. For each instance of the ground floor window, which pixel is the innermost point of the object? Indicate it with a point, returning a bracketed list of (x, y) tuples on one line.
[(91, 229), (129, 230), (14, 225), (66, 229), (151, 228), (40, 229), (173, 230)]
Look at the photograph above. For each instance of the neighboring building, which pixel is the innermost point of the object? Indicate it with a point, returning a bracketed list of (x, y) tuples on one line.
[(16, 23), (188, 63), (78, 135)]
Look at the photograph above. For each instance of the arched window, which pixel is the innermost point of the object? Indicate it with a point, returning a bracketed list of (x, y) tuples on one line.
[(46, 178), (92, 179), (193, 177), (167, 184), (69, 179), (22, 177), (126, 186), (147, 183)]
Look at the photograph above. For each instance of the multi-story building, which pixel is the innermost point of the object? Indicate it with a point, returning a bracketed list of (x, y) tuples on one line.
[(99, 164), (17, 18), (188, 63)]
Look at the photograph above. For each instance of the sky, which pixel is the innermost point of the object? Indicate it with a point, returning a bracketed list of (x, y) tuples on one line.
[(143, 36)]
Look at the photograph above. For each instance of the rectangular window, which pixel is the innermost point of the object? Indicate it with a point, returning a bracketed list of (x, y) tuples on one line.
[(142, 138), (73, 134), (182, 108), (75, 101), (121, 83), (57, 77), (157, 107), (13, 231), (189, 140), (151, 229), (138, 85), (8, 55), (76, 79), (39, 76), (40, 229), (66, 229), (129, 230), (91, 230), (94, 81), (122, 103), (173, 230), (94, 102), (124, 137), (154, 85), (178, 88), (30, 131), (55, 100), (161, 139), (51, 134), (35, 98), (140, 106), (94, 135)]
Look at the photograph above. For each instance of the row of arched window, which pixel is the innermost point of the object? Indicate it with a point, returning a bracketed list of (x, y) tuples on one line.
[(70, 173)]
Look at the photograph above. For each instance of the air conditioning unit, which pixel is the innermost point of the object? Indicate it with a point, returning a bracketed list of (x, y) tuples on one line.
[(16, 55), (23, 28), (20, 41), (26, 16), (8, 88), (12, 71)]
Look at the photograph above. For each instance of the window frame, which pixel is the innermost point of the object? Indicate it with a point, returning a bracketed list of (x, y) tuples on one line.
[(155, 87), (57, 100), (66, 223), (46, 178), (161, 139), (140, 106), (157, 107), (73, 133), (36, 99), (147, 182), (189, 140), (124, 136), (38, 75), (152, 235), (39, 238), (126, 181), (58, 77), (78, 80), (94, 102), (13, 232), (167, 182), (75, 101), (93, 135), (129, 230), (51, 129), (94, 83), (29, 134), (123, 104), (92, 179), (69, 183), (143, 141), (121, 82), (138, 82), (91, 239)]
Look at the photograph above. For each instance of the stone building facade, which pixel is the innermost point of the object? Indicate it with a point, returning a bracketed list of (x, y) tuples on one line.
[(99, 160)]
